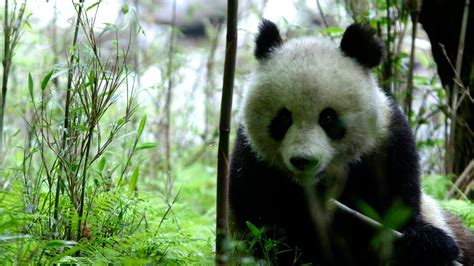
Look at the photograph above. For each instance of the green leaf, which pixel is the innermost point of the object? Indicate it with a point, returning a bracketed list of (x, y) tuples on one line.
[(93, 5), (110, 27), (141, 127), (91, 77), (81, 128), (30, 86), (146, 145), (46, 79), (125, 9), (253, 229), (59, 243), (102, 164), (397, 216), (369, 211), (5, 238), (133, 180), (120, 121), (67, 253), (334, 30)]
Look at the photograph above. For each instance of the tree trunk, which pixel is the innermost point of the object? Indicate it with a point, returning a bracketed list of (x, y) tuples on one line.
[(442, 21)]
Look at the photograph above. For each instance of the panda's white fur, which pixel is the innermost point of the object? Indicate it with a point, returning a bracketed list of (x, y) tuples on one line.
[(433, 214), (287, 80)]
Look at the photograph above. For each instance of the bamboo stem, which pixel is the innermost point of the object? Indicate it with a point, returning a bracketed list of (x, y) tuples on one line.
[(364, 218), (66, 111), (454, 95), (464, 176), (168, 102), (409, 97), (224, 130)]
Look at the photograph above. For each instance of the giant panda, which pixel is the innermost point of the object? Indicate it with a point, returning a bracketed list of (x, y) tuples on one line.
[(314, 119)]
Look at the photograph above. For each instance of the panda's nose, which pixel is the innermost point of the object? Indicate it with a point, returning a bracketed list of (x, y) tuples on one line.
[(303, 163)]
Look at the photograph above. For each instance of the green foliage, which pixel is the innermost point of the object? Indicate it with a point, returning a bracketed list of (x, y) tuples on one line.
[(438, 186), (241, 251), (463, 208), (122, 228)]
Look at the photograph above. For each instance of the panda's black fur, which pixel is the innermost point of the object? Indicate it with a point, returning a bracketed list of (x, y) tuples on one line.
[(266, 196)]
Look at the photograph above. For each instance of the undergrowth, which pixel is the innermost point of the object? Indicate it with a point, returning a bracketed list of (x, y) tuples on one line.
[(122, 227)]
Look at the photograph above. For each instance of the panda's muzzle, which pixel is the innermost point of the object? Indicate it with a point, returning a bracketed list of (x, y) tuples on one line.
[(304, 163)]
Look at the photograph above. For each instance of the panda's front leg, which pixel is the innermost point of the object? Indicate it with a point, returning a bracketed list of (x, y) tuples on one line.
[(424, 244)]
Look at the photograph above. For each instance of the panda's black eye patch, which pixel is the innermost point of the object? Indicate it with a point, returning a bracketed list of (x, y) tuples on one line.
[(280, 124), (332, 125)]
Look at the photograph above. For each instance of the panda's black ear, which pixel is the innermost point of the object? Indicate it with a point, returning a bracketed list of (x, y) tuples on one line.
[(360, 43), (268, 39)]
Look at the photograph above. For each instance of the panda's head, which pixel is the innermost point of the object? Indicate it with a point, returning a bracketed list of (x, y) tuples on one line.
[(313, 105)]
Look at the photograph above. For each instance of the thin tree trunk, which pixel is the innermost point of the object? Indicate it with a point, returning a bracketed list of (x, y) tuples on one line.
[(455, 92), (12, 26), (409, 97), (168, 102), (387, 66), (211, 87), (6, 62), (446, 39), (224, 130)]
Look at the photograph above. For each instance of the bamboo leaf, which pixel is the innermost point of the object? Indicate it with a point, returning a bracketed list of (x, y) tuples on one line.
[(125, 9), (146, 145), (141, 127), (46, 79), (81, 128), (133, 180), (93, 5), (30, 86), (91, 77), (5, 238), (60, 243), (120, 121), (253, 229), (102, 164), (368, 210)]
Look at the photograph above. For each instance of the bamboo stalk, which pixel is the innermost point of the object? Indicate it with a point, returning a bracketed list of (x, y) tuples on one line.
[(364, 218), (12, 26), (415, 14), (224, 130), (168, 102), (464, 175), (454, 103), (66, 111)]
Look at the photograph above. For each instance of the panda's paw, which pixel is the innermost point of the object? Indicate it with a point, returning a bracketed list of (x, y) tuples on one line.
[(425, 244)]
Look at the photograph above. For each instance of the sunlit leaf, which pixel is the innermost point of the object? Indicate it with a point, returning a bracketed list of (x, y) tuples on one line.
[(12, 237), (46, 79), (125, 9), (102, 164), (253, 229), (146, 145), (30, 86), (60, 243), (133, 180), (93, 5), (141, 127)]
